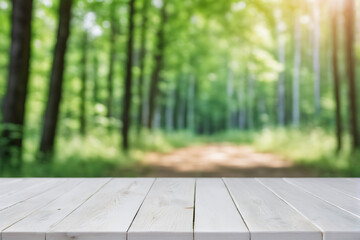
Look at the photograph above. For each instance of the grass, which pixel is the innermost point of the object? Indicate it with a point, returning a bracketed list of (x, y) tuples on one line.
[(98, 154), (313, 148)]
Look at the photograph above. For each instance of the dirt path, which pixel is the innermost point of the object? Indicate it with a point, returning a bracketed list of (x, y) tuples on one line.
[(215, 160)]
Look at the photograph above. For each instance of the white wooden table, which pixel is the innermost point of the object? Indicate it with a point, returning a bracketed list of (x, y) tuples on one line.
[(180, 209)]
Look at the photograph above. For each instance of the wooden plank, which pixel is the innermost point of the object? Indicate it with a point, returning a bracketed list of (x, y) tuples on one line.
[(341, 185), (12, 188), (357, 180), (17, 212), (27, 189), (266, 215), (4, 181), (216, 216), (107, 215), (167, 212), (35, 226), (334, 222), (316, 188)]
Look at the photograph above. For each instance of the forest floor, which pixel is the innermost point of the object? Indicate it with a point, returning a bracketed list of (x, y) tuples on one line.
[(221, 160)]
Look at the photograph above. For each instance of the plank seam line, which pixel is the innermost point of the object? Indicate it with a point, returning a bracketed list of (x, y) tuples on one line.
[(322, 199), (237, 208), (194, 209), (32, 211), (142, 202), (35, 209), (294, 208), (37, 184), (53, 225), (342, 192)]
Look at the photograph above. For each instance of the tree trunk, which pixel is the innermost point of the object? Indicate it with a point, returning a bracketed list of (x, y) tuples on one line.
[(140, 115), (334, 24), (191, 104), (56, 80), (229, 93), (83, 89), (281, 80), (159, 62), (128, 79), (250, 102), (296, 77), (176, 112), (95, 79), (316, 57), (182, 103), (350, 57), (170, 105), (241, 102), (156, 124), (110, 81), (15, 98)]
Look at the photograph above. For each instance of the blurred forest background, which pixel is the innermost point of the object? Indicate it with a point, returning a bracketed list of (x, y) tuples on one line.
[(92, 87)]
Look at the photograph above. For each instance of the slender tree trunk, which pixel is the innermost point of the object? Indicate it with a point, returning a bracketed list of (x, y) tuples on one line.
[(110, 77), (145, 103), (334, 32), (350, 57), (296, 77), (316, 57), (15, 98), (159, 62), (250, 102), (170, 110), (83, 89), (191, 104), (261, 107), (182, 103), (281, 80), (128, 79), (95, 79), (157, 117), (176, 112), (142, 62), (163, 115), (229, 93), (56, 80), (110, 83), (241, 101)]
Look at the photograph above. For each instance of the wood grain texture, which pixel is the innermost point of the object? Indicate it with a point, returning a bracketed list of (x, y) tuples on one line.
[(167, 212), (12, 193), (318, 189), (8, 188), (267, 216), (334, 222), (216, 216), (19, 211), (35, 225), (179, 209), (342, 185), (107, 215)]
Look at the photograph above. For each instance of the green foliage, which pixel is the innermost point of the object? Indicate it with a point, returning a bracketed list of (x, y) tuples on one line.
[(96, 155), (229, 49), (313, 147)]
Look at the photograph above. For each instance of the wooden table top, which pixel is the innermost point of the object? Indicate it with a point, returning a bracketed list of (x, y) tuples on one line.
[(180, 208)]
